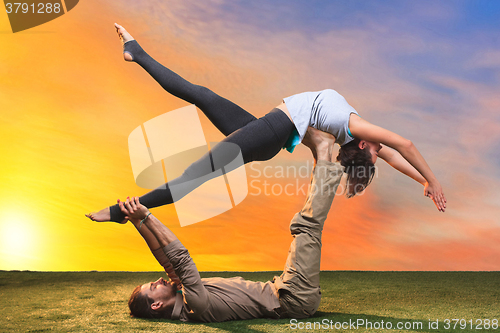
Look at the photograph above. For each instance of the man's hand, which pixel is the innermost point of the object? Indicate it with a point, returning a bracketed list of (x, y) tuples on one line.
[(133, 209)]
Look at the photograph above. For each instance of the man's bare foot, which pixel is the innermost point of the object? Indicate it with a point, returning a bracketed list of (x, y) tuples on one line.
[(320, 143), (124, 37), (103, 215)]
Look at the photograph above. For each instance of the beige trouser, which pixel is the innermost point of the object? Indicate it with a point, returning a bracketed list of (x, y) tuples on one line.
[(298, 286)]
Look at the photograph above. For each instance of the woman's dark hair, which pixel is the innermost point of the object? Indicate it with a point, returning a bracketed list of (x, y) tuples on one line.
[(140, 306), (358, 167)]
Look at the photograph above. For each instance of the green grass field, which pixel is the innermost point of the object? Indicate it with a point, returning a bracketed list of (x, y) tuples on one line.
[(97, 301)]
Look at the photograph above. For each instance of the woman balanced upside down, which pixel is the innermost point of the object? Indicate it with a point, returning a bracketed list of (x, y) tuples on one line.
[(284, 127)]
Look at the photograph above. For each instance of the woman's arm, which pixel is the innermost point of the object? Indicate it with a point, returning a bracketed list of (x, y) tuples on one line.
[(364, 130), (394, 159)]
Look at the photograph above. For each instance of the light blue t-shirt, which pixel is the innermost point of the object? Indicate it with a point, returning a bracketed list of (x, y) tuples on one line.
[(325, 110)]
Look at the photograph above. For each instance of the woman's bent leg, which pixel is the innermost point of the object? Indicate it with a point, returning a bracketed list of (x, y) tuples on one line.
[(260, 140), (224, 114)]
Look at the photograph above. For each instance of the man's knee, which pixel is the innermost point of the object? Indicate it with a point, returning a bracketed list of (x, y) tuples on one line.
[(300, 305)]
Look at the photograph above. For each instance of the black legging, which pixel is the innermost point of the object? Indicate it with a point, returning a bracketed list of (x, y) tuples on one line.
[(258, 139)]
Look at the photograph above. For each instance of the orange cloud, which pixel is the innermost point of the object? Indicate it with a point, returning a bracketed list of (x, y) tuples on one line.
[(69, 101)]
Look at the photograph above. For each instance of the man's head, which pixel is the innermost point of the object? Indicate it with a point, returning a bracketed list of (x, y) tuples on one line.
[(153, 299)]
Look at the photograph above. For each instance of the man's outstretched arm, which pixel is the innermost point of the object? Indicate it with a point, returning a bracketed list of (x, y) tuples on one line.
[(195, 294), (157, 251)]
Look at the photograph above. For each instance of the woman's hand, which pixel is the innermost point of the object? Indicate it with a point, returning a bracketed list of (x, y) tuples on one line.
[(133, 209), (435, 192)]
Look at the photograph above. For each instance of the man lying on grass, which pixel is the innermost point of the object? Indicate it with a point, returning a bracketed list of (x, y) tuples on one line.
[(294, 294)]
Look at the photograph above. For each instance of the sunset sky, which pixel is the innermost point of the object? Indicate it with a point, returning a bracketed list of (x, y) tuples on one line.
[(427, 70)]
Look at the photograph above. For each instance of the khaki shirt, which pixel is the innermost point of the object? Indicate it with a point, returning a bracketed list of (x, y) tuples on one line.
[(219, 299)]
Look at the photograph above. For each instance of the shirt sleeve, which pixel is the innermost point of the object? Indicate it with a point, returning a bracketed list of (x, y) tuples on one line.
[(162, 259), (196, 296)]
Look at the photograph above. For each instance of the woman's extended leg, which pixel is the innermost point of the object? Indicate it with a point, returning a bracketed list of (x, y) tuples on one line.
[(258, 139), (224, 114)]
